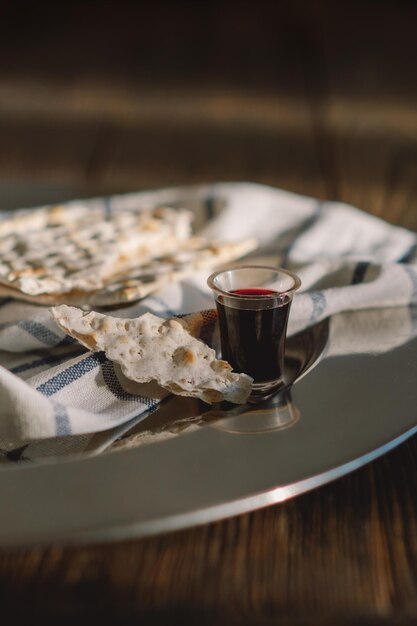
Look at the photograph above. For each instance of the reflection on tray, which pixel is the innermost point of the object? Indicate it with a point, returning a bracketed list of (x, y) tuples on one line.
[(276, 413)]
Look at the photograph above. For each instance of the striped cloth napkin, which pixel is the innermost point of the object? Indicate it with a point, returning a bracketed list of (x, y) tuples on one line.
[(55, 396)]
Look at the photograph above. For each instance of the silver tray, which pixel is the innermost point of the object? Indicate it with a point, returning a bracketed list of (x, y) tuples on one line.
[(341, 410)]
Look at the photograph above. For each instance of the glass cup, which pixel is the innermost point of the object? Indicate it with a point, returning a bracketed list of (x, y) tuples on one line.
[(253, 304)]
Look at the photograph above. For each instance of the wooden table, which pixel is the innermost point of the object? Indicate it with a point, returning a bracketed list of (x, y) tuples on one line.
[(313, 98)]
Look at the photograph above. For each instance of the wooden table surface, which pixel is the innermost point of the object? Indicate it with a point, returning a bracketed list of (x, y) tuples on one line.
[(309, 97)]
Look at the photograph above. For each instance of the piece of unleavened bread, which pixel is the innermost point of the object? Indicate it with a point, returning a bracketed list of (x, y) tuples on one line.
[(195, 254), (59, 250), (149, 348), (82, 255)]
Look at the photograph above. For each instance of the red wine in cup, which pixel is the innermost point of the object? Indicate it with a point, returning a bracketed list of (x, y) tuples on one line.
[(253, 339)]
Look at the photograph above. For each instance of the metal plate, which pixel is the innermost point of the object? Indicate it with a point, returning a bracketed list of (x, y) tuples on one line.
[(351, 408)]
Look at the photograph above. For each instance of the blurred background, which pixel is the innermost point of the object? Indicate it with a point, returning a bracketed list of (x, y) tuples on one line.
[(314, 97)]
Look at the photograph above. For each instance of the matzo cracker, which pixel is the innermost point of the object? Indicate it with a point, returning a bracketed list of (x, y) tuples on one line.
[(149, 348)]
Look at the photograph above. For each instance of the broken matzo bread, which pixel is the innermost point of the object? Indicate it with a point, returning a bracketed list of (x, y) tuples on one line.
[(137, 283), (57, 250), (149, 348), (81, 255)]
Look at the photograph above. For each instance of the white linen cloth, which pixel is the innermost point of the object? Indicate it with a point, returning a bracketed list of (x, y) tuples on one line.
[(54, 395)]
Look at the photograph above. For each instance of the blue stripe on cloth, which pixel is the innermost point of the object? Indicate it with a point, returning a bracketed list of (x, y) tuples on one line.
[(359, 272), (210, 203), (71, 374), (304, 227), (409, 255), (412, 274), (47, 360), (62, 420), (319, 304), (37, 330), (113, 384), (78, 370)]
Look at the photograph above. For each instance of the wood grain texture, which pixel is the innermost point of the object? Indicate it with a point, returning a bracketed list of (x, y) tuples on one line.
[(322, 102)]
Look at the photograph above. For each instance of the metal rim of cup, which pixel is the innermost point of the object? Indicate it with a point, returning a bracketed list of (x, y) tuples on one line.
[(294, 277)]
